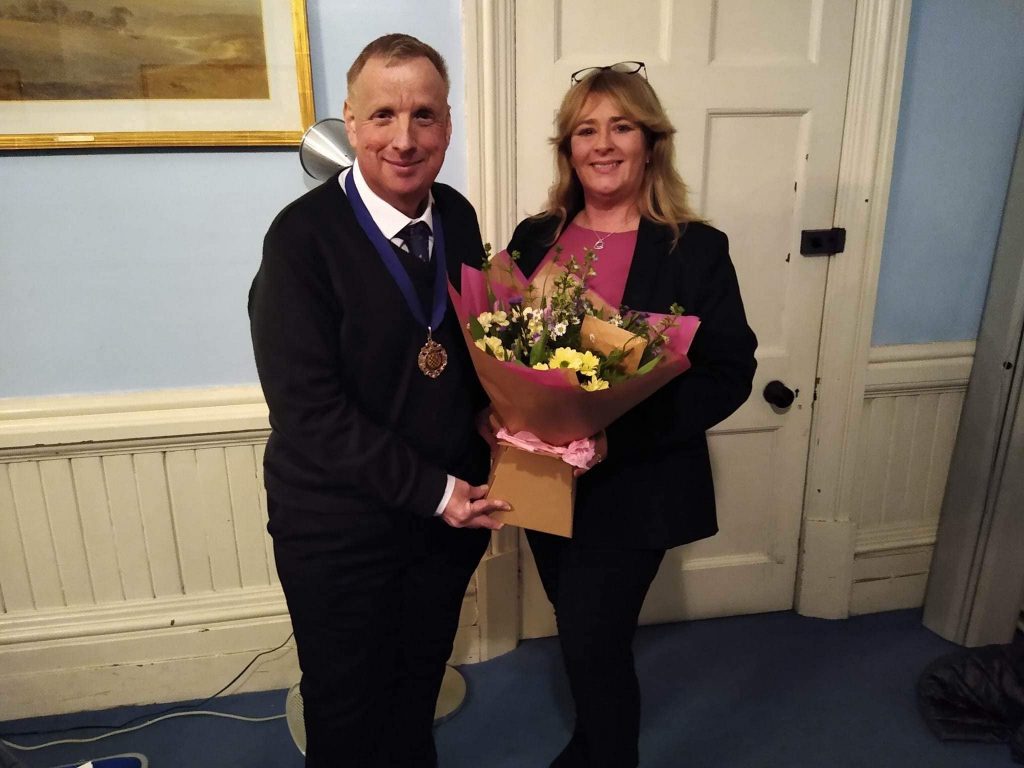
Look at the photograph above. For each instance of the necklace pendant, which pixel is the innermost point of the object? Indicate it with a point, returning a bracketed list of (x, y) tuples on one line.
[(599, 244), (432, 359)]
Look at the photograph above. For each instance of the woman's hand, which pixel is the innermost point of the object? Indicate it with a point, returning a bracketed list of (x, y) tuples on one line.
[(488, 424), (600, 453)]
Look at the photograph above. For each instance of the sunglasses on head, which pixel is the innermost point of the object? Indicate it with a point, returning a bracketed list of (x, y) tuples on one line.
[(625, 67)]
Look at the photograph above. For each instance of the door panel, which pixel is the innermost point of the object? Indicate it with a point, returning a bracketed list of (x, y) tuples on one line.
[(757, 93)]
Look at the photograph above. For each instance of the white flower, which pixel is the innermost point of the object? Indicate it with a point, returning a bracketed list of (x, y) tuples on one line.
[(559, 329)]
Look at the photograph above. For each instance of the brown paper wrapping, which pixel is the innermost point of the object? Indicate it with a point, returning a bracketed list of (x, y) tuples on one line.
[(541, 490)]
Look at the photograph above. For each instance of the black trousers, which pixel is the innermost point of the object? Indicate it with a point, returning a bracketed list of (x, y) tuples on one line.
[(597, 595), (374, 602)]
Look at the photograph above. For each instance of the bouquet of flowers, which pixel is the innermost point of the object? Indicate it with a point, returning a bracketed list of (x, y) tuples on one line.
[(559, 364), (567, 328)]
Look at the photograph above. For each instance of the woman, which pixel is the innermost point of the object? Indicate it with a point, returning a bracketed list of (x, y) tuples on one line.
[(650, 487)]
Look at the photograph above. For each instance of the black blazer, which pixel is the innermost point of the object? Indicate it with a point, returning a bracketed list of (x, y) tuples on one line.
[(354, 423), (655, 488)]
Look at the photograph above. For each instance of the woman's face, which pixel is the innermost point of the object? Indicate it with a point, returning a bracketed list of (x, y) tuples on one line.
[(608, 152)]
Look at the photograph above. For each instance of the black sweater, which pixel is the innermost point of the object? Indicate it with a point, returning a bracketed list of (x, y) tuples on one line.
[(353, 420)]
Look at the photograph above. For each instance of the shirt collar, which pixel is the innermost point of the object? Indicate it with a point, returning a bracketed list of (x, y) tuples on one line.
[(388, 219)]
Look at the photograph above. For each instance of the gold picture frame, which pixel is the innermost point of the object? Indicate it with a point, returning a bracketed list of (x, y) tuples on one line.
[(270, 103)]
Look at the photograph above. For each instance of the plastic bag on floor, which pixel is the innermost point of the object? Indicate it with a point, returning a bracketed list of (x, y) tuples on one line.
[(977, 694)]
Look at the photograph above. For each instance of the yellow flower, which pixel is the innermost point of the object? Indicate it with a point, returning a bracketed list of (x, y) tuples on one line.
[(500, 318), (540, 367), (565, 357), (485, 319), (594, 385), (588, 363), (494, 347)]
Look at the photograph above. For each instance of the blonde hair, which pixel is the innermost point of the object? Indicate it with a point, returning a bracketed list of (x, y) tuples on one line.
[(663, 196)]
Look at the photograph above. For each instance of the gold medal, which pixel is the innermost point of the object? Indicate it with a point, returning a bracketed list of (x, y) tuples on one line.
[(432, 358)]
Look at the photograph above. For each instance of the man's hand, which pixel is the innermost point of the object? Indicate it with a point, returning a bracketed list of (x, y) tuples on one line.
[(468, 507), (600, 453)]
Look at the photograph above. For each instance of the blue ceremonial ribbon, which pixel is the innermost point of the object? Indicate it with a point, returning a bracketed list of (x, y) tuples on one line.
[(394, 266)]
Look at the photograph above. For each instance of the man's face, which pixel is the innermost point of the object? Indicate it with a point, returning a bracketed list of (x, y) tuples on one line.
[(399, 124)]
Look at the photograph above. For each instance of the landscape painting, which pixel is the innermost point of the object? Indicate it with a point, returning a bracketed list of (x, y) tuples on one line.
[(142, 49), (96, 57)]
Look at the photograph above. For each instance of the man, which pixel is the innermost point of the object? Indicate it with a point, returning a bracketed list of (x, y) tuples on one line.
[(374, 469)]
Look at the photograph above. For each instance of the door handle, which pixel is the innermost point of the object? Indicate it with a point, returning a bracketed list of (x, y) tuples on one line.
[(778, 394)]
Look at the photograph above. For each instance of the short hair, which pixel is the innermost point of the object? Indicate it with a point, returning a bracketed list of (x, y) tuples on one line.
[(398, 47), (663, 196)]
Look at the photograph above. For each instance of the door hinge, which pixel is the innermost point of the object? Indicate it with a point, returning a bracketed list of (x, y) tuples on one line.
[(822, 242)]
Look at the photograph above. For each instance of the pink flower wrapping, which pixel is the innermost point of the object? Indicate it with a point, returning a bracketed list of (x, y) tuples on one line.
[(578, 453), (550, 404)]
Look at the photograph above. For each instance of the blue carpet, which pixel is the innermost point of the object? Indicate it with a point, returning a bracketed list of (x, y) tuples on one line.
[(741, 692)]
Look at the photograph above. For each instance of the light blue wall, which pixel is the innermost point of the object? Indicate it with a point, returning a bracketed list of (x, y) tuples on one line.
[(963, 95), (129, 270)]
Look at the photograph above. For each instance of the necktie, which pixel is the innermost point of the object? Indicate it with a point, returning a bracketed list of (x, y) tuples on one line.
[(417, 239)]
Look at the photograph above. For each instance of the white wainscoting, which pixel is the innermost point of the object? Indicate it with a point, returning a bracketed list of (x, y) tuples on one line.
[(135, 567), (912, 403), (134, 561)]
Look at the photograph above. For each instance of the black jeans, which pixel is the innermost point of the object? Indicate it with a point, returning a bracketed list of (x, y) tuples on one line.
[(374, 601), (597, 595)]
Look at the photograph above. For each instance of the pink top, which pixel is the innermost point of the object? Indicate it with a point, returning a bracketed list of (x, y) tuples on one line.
[(612, 262)]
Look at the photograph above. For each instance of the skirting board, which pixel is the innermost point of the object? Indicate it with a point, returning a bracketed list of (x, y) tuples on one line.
[(173, 664), (890, 568), (92, 669)]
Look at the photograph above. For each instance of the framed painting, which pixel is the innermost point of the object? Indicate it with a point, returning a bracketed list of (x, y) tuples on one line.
[(150, 73)]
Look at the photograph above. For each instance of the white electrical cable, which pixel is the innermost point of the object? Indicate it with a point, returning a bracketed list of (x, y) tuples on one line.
[(228, 715)]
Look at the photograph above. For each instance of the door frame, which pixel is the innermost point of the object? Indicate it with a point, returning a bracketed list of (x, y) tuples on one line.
[(827, 537)]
